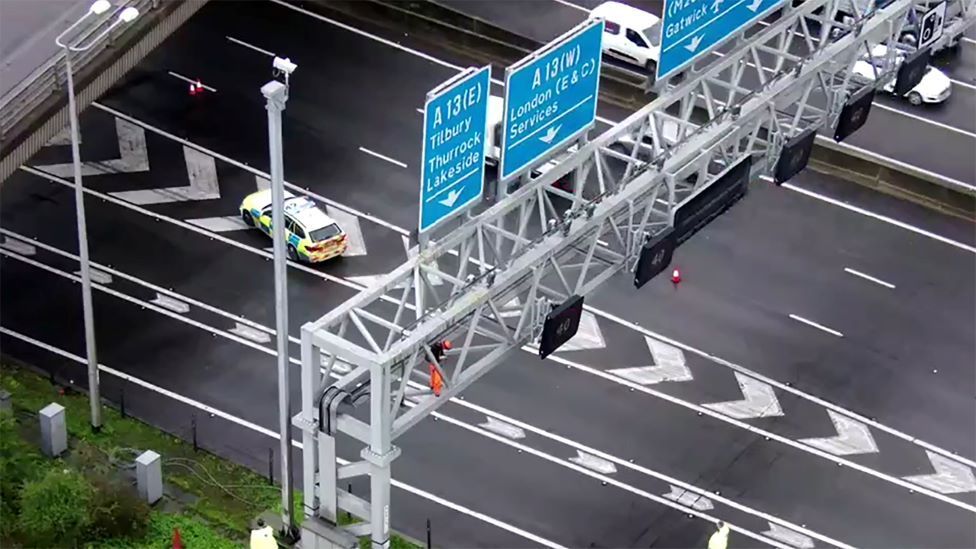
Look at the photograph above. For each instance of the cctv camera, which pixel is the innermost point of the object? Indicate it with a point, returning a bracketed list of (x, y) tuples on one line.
[(284, 65)]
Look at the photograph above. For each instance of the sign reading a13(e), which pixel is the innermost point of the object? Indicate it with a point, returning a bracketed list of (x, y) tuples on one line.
[(550, 97), (692, 28), (455, 121)]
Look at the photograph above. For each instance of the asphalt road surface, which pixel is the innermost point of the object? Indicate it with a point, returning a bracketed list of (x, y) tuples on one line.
[(658, 455)]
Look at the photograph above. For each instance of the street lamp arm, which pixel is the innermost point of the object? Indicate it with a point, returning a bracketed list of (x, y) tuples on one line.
[(60, 39), (93, 41)]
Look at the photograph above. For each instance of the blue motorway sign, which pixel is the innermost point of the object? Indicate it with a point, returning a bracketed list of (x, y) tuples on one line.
[(455, 121), (693, 28), (550, 97)]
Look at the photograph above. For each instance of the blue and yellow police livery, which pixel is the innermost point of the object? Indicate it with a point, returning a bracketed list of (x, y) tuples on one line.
[(313, 236)]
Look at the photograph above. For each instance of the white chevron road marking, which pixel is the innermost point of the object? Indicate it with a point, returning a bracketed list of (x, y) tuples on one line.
[(689, 499), (595, 463), (853, 437), (759, 401), (788, 536), (201, 170), (951, 477), (133, 155), (669, 365)]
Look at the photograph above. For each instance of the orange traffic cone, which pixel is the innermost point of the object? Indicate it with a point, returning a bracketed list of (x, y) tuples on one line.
[(436, 382), (676, 276), (177, 540)]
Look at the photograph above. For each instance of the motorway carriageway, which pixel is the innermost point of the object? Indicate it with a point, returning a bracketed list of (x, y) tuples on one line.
[(207, 258), (936, 138)]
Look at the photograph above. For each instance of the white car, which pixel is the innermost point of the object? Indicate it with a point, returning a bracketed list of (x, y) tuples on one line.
[(630, 34), (935, 86)]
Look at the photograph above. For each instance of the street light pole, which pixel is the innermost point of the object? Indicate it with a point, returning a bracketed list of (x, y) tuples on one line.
[(126, 16), (277, 95)]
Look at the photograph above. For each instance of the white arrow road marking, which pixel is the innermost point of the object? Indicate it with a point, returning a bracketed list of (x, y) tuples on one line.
[(63, 137), (789, 537), (754, 5), (451, 198), (951, 477), (853, 437), (550, 134), (588, 336), (201, 170), (18, 246), (669, 365), (223, 224), (170, 303), (689, 499), (98, 277), (253, 334), (502, 428), (693, 45), (598, 464), (133, 156), (356, 244), (759, 401)]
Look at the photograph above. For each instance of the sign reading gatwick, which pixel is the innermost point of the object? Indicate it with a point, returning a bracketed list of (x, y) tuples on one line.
[(455, 120), (550, 97), (693, 28)]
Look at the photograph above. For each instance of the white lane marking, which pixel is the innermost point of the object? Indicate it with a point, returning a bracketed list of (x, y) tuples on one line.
[(421, 111), (967, 39), (382, 157), (888, 285), (853, 437), (201, 171), (963, 84), (783, 387), (257, 173), (404, 233), (702, 410), (19, 246), (171, 303), (251, 46), (589, 335), (788, 536), (355, 243), (885, 219), (271, 434), (133, 155), (925, 120), (490, 414), (949, 477), (502, 428), (570, 464), (97, 276), (689, 499), (572, 5), (590, 461), (191, 81), (815, 325), (158, 289), (758, 400), (669, 365), (248, 332), (222, 224)]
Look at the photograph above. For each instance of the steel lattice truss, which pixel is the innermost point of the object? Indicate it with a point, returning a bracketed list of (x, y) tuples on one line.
[(487, 283)]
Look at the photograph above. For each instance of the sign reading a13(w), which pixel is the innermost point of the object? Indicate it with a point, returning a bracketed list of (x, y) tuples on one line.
[(692, 28), (550, 97), (455, 121)]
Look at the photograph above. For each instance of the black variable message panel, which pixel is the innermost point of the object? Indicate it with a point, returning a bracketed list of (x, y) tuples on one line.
[(655, 256), (911, 71), (794, 156), (854, 114), (712, 200), (561, 325)]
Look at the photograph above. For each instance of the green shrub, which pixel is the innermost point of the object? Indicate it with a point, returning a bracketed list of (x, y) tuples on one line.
[(116, 512), (54, 509), (18, 464)]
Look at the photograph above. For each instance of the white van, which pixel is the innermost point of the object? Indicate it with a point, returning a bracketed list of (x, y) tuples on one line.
[(630, 34)]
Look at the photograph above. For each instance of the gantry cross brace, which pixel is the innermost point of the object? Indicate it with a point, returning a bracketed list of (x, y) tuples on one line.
[(488, 282)]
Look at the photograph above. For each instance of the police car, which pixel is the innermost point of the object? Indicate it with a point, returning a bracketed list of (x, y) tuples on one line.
[(313, 236)]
